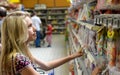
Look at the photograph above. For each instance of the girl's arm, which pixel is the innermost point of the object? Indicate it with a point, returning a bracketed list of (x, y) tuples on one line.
[(57, 62), (29, 71)]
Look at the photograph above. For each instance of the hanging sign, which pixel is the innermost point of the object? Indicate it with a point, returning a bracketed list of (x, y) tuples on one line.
[(14, 1), (70, 1)]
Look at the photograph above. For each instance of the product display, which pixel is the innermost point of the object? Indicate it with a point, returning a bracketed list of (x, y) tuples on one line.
[(100, 32)]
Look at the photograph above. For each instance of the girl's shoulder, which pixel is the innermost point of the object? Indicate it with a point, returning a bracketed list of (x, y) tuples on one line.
[(21, 61), (20, 56)]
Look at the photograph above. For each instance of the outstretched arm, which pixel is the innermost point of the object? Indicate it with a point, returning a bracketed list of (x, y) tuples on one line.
[(57, 62)]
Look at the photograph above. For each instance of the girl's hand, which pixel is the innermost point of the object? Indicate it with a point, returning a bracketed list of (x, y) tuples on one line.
[(96, 71), (79, 53)]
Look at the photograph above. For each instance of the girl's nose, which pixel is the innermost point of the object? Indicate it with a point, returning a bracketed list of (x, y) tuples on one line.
[(34, 28)]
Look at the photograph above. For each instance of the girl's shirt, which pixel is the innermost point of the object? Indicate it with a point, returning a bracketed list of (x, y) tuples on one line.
[(49, 30), (21, 62)]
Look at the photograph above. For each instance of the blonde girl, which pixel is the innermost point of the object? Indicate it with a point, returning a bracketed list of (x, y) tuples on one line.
[(16, 59)]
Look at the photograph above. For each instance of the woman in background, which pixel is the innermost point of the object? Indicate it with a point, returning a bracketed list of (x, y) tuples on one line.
[(3, 13)]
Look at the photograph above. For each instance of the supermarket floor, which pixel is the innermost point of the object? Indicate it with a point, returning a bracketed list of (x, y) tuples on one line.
[(57, 50)]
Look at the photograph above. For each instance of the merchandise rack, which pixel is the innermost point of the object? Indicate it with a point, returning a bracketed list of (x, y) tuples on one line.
[(87, 25), (57, 16), (75, 48), (76, 61), (102, 23)]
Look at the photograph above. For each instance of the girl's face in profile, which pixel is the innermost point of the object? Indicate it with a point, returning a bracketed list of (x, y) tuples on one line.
[(31, 30)]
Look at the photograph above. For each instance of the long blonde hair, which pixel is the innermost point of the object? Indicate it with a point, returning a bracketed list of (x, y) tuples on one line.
[(14, 36)]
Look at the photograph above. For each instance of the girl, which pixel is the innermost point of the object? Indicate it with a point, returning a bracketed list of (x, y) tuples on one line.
[(16, 59), (49, 35)]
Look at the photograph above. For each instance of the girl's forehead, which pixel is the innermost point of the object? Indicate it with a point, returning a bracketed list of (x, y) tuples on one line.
[(28, 20)]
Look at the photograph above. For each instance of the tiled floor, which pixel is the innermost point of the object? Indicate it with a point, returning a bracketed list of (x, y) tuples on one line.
[(57, 50)]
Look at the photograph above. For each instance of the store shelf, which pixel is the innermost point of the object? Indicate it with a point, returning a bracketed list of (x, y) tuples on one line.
[(80, 61), (56, 8), (59, 24), (42, 14), (88, 25), (77, 37), (40, 9), (91, 57), (73, 44), (79, 64), (108, 19), (55, 16), (92, 29), (43, 18), (82, 64), (110, 7), (58, 32), (59, 28), (73, 47)]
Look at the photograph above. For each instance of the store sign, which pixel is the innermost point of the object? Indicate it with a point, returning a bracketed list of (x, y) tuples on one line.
[(14, 1), (75, 1)]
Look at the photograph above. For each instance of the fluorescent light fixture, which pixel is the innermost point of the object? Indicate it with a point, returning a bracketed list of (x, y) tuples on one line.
[(71, 1)]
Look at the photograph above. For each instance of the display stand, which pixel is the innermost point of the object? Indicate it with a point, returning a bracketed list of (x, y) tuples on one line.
[(100, 32)]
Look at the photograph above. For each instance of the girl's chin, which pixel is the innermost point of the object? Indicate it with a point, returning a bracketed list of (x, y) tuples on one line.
[(32, 39)]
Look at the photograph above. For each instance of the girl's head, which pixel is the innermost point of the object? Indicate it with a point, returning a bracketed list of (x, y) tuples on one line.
[(17, 31), (14, 28), (17, 28)]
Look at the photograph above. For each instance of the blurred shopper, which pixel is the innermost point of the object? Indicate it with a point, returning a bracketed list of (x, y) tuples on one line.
[(37, 23), (3, 13), (49, 35)]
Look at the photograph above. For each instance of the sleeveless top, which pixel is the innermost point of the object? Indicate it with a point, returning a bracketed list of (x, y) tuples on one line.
[(20, 62)]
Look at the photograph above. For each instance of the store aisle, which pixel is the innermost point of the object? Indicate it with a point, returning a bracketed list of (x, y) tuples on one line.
[(57, 50)]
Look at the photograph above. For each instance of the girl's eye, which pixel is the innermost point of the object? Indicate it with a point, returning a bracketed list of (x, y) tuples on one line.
[(29, 25)]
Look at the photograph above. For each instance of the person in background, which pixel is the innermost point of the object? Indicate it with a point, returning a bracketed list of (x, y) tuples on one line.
[(3, 13), (49, 35), (16, 59), (37, 23), (43, 34)]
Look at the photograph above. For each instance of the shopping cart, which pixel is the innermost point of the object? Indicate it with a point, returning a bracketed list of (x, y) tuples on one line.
[(42, 72)]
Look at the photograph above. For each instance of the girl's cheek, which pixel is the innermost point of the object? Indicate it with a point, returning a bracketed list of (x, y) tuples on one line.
[(28, 36), (34, 28)]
